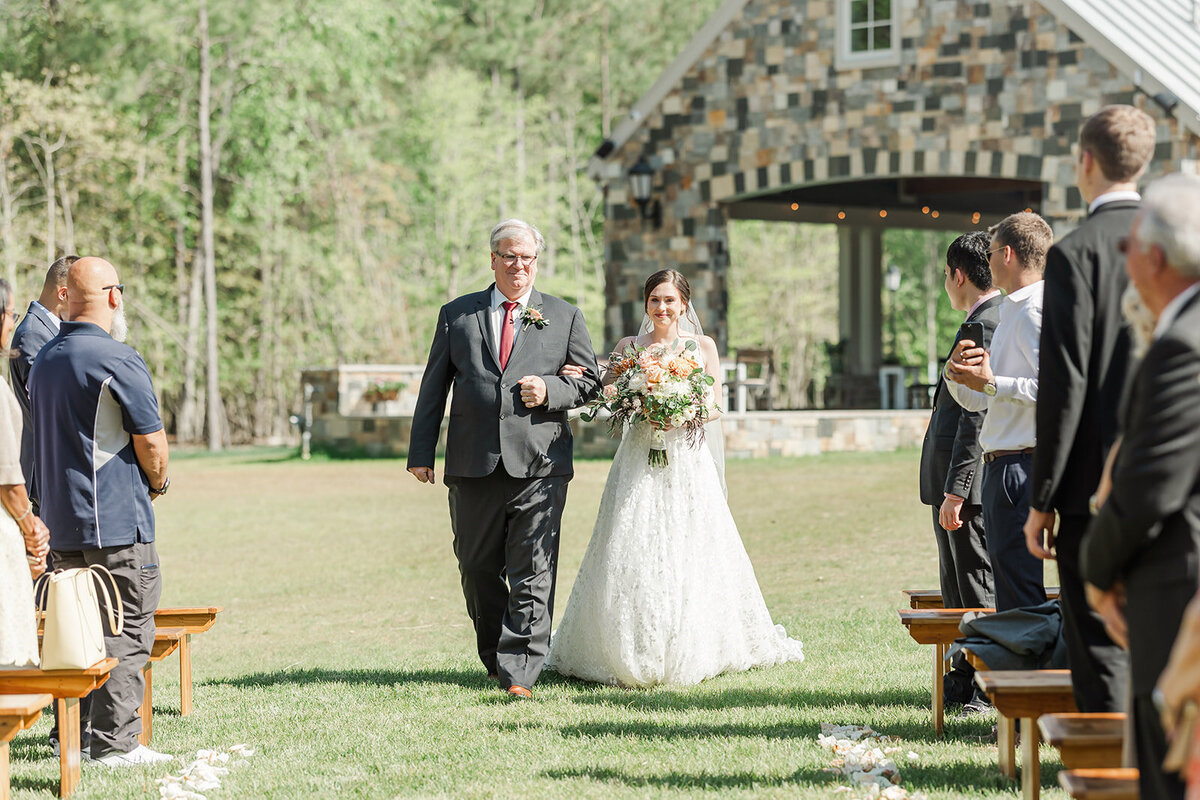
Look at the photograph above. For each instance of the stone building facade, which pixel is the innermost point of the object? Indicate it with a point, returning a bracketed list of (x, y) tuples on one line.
[(977, 118)]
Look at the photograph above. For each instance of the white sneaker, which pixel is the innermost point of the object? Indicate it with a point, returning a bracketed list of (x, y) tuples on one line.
[(138, 756)]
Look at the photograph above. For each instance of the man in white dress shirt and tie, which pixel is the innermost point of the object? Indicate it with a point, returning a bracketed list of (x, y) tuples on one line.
[(1004, 381)]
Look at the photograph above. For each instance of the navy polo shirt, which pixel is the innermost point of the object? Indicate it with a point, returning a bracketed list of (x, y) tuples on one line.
[(88, 394)]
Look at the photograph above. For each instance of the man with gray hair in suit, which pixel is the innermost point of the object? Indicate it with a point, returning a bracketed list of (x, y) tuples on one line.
[(508, 447)]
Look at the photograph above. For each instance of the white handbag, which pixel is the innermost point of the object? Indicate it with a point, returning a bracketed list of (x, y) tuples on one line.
[(74, 633)]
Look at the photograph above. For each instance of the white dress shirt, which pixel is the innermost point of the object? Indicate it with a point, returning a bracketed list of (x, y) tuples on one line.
[(1171, 310), (498, 301), (1011, 421), (1112, 197), (54, 320)]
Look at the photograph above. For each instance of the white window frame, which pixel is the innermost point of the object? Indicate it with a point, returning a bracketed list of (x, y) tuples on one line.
[(845, 59)]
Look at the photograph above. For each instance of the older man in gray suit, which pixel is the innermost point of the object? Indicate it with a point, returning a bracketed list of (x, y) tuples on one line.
[(508, 447)]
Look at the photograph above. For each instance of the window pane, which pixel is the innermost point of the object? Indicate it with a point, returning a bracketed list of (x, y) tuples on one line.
[(859, 41), (859, 10), (883, 10), (883, 37)]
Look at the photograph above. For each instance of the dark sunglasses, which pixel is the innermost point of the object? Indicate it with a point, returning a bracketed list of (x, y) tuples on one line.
[(119, 286)]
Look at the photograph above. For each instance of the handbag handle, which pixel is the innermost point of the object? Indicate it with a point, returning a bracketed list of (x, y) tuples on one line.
[(117, 625), (41, 593)]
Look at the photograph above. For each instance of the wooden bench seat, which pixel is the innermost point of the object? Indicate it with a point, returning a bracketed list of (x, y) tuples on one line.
[(193, 620), (1025, 695), (17, 713), (938, 627), (67, 686), (1100, 784), (932, 598), (1085, 741)]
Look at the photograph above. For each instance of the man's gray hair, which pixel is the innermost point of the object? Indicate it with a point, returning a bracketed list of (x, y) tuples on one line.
[(1171, 219), (515, 229)]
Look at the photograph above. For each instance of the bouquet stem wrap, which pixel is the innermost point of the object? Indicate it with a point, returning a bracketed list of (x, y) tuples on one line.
[(658, 448)]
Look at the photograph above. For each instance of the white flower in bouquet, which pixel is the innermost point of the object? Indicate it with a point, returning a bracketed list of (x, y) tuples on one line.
[(637, 382)]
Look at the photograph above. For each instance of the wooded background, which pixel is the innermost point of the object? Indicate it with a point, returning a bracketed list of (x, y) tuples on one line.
[(291, 183)]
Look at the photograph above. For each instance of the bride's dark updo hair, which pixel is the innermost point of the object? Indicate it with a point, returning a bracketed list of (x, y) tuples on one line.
[(671, 276)]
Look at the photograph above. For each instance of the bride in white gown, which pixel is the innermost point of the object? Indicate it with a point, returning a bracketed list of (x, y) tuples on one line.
[(666, 593)]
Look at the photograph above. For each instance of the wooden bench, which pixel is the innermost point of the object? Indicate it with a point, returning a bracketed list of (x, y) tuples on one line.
[(1025, 695), (1085, 741), (67, 686), (932, 598), (938, 627), (166, 642), (193, 621), (17, 712), (1100, 784)]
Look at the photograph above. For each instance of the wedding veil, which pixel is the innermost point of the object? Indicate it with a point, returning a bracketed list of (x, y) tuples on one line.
[(714, 432)]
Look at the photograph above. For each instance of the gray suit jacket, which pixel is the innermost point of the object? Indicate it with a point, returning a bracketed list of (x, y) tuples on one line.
[(950, 454), (28, 340), (488, 421)]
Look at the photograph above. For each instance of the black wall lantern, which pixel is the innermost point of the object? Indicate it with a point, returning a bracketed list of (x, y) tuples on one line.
[(641, 182)]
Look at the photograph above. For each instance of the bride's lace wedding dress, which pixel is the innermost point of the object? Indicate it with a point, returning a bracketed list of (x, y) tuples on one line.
[(666, 593)]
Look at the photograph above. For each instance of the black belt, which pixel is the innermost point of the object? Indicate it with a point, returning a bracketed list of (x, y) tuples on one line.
[(992, 456)]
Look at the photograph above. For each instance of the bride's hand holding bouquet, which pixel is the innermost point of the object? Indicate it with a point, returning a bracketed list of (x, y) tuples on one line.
[(662, 385)]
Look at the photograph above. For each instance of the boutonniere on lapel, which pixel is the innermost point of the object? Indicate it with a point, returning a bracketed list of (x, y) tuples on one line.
[(531, 316)]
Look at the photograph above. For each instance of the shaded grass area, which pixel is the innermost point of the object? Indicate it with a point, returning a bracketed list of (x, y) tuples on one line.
[(344, 654)]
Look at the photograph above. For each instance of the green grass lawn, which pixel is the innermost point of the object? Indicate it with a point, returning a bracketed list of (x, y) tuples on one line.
[(345, 658)]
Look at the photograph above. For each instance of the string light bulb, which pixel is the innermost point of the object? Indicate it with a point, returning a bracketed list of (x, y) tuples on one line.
[(883, 213), (841, 215), (795, 206)]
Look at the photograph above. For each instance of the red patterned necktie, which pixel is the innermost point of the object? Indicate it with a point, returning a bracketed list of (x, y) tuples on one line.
[(506, 333)]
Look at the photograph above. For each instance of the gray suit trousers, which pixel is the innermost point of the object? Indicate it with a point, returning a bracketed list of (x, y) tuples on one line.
[(112, 709), (506, 533)]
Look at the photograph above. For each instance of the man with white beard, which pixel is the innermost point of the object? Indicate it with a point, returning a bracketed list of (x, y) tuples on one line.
[(100, 453)]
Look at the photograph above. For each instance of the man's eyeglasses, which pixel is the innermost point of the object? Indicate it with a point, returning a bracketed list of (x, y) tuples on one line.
[(118, 286), (997, 250), (13, 315), (511, 258)]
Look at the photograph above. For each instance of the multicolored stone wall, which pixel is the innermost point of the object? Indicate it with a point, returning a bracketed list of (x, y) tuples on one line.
[(983, 89)]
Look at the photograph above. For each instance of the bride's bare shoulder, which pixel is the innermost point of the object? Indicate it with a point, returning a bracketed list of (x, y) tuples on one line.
[(624, 344)]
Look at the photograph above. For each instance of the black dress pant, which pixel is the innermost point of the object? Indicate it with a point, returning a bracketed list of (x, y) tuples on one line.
[(1017, 573), (1099, 667), (506, 533), (964, 567)]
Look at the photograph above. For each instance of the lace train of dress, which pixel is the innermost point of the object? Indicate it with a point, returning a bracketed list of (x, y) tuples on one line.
[(18, 625), (666, 593)]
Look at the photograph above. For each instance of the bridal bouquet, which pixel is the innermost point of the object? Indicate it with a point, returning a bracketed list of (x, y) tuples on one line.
[(664, 385)]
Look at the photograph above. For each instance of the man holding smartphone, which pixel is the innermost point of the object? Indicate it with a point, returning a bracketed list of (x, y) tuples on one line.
[(951, 466), (1003, 380)]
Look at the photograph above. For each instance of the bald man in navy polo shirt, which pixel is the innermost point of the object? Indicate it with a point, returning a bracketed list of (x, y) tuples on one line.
[(101, 458)]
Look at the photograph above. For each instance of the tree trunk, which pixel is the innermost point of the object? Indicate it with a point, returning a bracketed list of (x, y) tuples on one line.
[(605, 79), (7, 213), (212, 362), (68, 218), (931, 298)]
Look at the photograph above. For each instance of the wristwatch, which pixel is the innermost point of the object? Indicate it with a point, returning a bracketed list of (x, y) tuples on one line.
[(166, 485), (989, 388)]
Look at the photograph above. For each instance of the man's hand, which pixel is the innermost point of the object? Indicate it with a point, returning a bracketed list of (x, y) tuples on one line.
[(1110, 605), (948, 514), (37, 540), (571, 371), (533, 391), (423, 474), (1039, 534), (970, 365)]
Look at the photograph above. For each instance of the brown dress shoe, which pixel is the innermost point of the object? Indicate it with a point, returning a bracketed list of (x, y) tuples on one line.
[(519, 692)]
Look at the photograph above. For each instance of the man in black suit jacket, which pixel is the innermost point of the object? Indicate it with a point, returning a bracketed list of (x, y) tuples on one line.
[(1141, 552), (39, 326), (1085, 354), (508, 447), (951, 465)]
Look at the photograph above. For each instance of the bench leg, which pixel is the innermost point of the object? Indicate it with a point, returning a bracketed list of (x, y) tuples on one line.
[(939, 651), (68, 745), (147, 709), (1031, 765), (5, 793), (1007, 741), (185, 675)]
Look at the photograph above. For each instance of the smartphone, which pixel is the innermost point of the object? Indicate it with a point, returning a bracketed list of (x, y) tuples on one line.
[(972, 331)]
